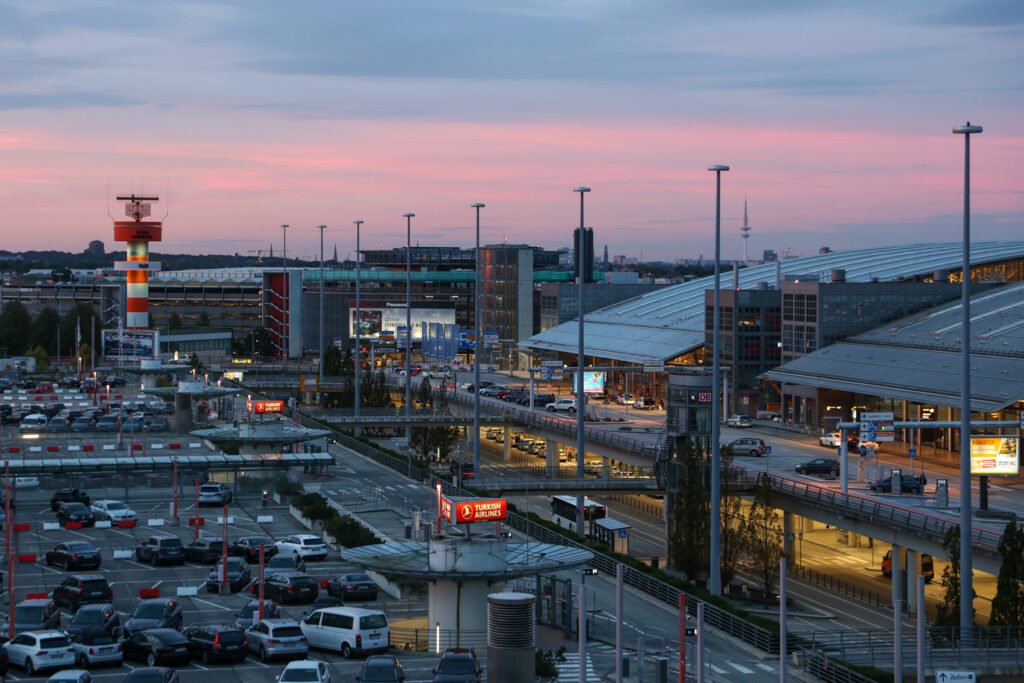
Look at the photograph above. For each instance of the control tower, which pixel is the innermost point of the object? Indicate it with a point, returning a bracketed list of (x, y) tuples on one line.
[(137, 233)]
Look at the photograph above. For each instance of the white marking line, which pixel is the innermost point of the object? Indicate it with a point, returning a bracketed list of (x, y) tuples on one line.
[(144, 566), (211, 604), (739, 667), (718, 670), (765, 667)]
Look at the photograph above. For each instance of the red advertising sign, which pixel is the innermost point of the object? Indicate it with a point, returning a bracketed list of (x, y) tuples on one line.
[(268, 406), (469, 511)]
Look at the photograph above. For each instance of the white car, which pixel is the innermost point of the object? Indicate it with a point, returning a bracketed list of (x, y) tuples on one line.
[(831, 440), (113, 511), (567, 405), (305, 671), (37, 650), (26, 482), (96, 648), (308, 546), (739, 421)]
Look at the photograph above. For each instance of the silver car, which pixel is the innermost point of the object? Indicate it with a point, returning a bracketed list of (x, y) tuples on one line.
[(273, 638), (214, 494), (96, 648)]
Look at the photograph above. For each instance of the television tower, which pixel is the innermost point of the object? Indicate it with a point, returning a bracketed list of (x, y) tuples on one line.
[(746, 231), (138, 234)]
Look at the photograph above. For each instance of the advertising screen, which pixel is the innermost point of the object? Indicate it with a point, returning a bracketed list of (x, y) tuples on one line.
[(995, 455), (593, 382), (128, 344), (378, 319), (469, 511)]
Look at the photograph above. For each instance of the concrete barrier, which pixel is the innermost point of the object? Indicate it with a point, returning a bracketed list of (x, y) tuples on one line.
[(123, 554), (74, 448), (265, 519), (110, 446), (231, 520), (103, 524), (154, 522), (186, 591), (51, 526), (195, 444)]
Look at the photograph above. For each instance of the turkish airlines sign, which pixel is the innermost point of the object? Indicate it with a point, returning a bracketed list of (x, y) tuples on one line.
[(469, 511), (268, 406)]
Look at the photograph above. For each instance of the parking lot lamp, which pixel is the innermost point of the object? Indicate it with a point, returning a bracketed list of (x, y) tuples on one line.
[(716, 403), (476, 347)]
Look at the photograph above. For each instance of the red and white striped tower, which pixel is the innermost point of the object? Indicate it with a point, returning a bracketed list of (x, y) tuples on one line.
[(138, 234)]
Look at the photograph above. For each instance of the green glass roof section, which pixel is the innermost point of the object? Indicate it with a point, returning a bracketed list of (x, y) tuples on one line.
[(394, 276)]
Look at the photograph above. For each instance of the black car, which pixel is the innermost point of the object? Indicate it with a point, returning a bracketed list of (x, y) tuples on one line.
[(158, 424), (458, 665), (285, 587), (238, 575), (93, 619), (205, 550), (74, 555), (249, 548), (157, 549), (538, 399), (249, 612), (352, 587), (151, 674), (68, 496), (281, 563), (908, 484), (75, 512), (37, 614), (78, 589), (381, 668), (157, 646), (217, 643), (826, 466), (154, 613)]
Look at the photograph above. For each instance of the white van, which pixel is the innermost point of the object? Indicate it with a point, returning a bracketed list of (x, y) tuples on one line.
[(33, 423), (348, 630)]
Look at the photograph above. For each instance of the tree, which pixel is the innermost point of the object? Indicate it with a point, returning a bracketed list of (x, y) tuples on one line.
[(42, 358), (204, 319), (730, 549), (691, 512), (425, 393), (948, 611), (332, 361), (43, 331), (763, 536), (86, 354), (174, 322), (15, 321), (78, 320), (1008, 603)]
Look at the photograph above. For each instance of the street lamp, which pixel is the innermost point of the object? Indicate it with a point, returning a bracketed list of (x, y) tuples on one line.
[(716, 402), (284, 293), (320, 379), (966, 559), (476, 346), (408, 330), (581, 452), (359, 353)]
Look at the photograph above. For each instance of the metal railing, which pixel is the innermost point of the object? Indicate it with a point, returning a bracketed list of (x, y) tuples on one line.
[(835, 585), (560, 483)]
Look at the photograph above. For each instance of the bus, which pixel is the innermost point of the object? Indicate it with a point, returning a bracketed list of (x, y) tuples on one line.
[(563, 512)]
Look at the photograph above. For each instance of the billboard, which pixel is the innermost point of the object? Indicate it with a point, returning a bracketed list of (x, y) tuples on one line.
[(128, 344), (261, 407), (995, 455), (377, 319), (469, 511), (593, 382)]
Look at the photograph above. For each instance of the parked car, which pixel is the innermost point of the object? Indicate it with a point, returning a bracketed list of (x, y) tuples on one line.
[(246, 616), (205, 550), (212, 493), (567, 405), (913, 484), (825, 466), (78, 589), (159, 424), (57, 425), (293, 586), (238, 575), (281, 563), (356, 586), (154, 613), (151, 674), (37, 614), (493, 390), (74, 555), (457, 665), (71, 676), (96, 648), (249, 548), (927, 566), (349, 630), (67, 496), (274, 638), (381, 668), (157, 549), (75, 512), (539, 399), (747, 446), (835, 439), (308, 546), (95, 618), (157, 646), (739, 421), (217, 643), (34, 423), (82, 424), (305, 671), (107, 423), (68, 383), (113, 511), (468, 386), (39, 650)]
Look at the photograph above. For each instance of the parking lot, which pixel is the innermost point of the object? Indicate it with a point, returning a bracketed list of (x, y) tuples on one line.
[(127, 576)]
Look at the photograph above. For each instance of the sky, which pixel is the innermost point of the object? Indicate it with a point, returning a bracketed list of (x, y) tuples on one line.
[(835, 118)]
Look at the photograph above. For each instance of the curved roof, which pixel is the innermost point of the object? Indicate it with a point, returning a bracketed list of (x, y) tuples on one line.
[(669, 322)]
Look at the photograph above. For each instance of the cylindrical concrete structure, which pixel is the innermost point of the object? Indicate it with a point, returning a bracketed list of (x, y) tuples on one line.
[(183, 423), (511, 637), (456, 606)]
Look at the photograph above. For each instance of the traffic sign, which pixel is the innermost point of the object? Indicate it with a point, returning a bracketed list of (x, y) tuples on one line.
[(551, 363), (913, 453), (308, 382), (955, 677), (877, 427)]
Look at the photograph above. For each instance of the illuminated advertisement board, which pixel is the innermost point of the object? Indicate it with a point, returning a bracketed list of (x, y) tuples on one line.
[(260, 407), (995, 455), (379, 319), (593, 382), (469, 511), (128, 344)]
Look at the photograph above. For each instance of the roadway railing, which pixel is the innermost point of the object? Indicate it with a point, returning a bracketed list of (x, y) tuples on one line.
[(502, 484)]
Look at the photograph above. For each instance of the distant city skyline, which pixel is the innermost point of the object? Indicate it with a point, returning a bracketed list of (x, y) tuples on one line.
[(835, 118)]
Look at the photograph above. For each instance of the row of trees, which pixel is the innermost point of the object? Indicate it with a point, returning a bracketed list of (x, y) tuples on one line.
[(47, 333)]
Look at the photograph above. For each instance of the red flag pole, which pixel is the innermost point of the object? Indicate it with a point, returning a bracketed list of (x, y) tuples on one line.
[(9, 528), (682, 638), (261, 580)]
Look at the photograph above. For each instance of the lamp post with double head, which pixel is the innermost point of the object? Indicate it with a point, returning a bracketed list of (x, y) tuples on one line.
[(716, 402), (476, 346), (966, 558), (408, 326), (581, 452), (323, 346), (284, 293), (359, 345)]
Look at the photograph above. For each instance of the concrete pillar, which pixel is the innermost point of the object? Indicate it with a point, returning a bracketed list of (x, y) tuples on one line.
[(550, 457), (788, 528), (898, 578), (606, 467), (506, 445), (913, 571), (852, 539)]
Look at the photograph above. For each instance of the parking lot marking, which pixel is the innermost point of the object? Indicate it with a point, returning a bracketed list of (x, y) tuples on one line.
[(211, 604), (140, 565)]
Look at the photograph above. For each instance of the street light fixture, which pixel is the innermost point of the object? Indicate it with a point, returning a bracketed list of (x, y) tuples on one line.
[(408, 330), (476, 345), (581, 452), (284, 293), (966, 558), (716, 402), (320, 379), (359, 353)]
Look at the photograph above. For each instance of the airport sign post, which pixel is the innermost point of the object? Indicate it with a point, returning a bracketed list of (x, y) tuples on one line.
[(955, 677), (877, 427)]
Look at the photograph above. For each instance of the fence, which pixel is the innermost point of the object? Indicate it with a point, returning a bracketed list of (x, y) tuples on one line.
[(842, 587)]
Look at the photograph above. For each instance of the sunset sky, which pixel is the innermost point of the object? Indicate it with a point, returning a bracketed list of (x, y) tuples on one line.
[(835, 118)]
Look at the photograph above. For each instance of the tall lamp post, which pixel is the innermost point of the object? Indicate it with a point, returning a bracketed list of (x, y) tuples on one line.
[(581, 451), (716, 401), (476, 346), (284, 292), (359, 354), (966, 559), (408, 327), (320, 379)]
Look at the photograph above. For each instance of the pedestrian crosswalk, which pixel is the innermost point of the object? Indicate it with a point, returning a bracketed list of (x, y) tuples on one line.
[(569, 670)]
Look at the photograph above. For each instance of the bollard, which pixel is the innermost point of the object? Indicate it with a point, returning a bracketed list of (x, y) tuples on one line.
[(266, 498), (661, 669), (625, 666)]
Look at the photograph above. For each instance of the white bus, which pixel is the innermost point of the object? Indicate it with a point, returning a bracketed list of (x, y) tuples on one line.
[(563, 512)]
